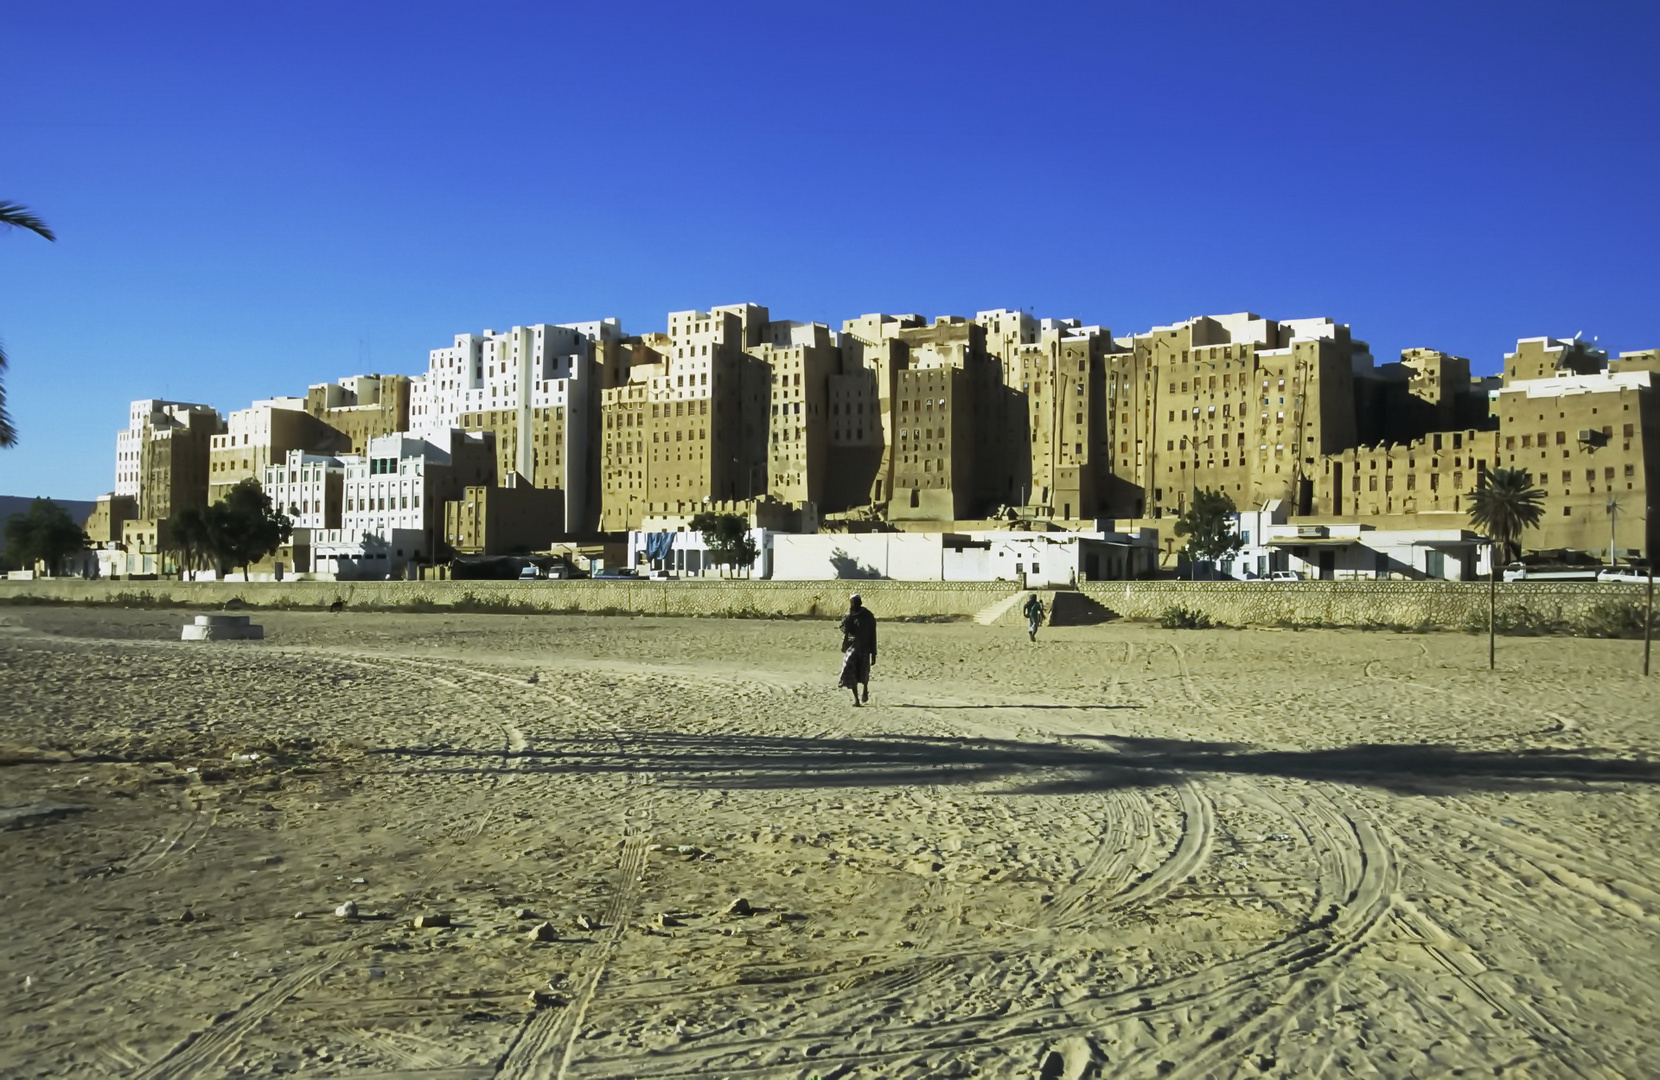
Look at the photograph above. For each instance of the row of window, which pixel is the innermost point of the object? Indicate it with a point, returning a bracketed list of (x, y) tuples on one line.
[(1412, 482), (366, 505), (1411, 463), (1227, 384), (1227, 411)]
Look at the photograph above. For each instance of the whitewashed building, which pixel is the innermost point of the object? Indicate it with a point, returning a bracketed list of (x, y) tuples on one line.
[(1350, 550), (393, 501), (143, 417), (683, 554), (1040, 559), (537, 387), (309, 488)]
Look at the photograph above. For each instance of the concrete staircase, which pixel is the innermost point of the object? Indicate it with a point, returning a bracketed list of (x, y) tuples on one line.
[(1063, 607), (995, 611)]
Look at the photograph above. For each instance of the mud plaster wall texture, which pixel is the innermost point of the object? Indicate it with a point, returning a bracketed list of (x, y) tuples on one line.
[(1353, 603), (888, 599)]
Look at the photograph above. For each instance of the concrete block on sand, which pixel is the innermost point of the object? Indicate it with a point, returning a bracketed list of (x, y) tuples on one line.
[(222, 628)]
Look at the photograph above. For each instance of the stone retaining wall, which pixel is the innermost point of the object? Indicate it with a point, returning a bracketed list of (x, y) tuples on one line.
[(1332, 603), (1354, 603), (889, 599)]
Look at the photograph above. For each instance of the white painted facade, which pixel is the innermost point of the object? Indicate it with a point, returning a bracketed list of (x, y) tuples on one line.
[(1042, 560), (884, 555), (309, 488), (520, 370), (1050, 559), (1571, 385), (352, 392), (1351, 551), (688, 557), (371, 557), (252, 426), (393, 505), (144, 416), (506, 369)]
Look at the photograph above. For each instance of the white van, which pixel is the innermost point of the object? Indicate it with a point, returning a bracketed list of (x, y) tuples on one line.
[(1521, 572)]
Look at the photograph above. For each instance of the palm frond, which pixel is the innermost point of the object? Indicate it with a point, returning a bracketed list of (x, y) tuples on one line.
[(8, 433), (20, 216), (1506, 504)]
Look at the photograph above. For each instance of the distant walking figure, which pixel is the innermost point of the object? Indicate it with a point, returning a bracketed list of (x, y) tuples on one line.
[(1034, 616), (858, 647)]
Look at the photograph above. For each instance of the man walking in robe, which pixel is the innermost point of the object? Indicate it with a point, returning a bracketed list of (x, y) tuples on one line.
[(858, 648)]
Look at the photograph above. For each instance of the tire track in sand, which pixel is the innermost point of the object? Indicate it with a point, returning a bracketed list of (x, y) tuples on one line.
[(213, 1049), (872, 995), (546, 1042), (1353, 895)]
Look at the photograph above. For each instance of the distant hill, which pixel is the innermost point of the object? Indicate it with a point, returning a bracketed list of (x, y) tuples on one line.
[(17, 504)]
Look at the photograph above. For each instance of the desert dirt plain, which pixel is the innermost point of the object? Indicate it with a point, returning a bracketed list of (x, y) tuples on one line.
[(1121, 851)]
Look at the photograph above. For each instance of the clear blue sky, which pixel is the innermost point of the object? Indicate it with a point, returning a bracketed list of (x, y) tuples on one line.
[(253, 197)]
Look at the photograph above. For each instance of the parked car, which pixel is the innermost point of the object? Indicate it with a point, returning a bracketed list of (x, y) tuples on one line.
[(1279, 575), (615, 573), (1629, 574), (663, 575), (529, 573)]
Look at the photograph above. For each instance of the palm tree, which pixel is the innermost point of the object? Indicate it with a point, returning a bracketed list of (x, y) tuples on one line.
[(1506, 504), (12, 215)]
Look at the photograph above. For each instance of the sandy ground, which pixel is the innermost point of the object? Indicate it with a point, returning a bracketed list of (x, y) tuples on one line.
[(1120, 851)]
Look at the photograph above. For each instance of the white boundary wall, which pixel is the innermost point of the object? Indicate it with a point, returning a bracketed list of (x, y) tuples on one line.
[(854, 556)]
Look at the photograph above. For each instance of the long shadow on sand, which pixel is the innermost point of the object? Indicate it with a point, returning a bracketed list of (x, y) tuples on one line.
[(1084, 764), (1020, 705)]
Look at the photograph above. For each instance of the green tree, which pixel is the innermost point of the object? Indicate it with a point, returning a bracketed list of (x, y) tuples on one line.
[(44, 532), (187, 537), (1208, 526), (13, 216), (243, 527), (726, 537), (1504, 505)]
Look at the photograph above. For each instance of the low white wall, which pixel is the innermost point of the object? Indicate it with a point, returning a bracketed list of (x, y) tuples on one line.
[(827, 556), (971, 564)]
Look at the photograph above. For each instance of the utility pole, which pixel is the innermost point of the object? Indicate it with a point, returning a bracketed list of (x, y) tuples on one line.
[(1493, 600), (1613, 512), (1648, 615)]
